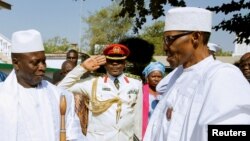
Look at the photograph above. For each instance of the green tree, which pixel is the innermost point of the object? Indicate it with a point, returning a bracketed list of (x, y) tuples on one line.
[(154, 34), (137, 9), (238, 23), (105, 26), (56, 45), (223, 53)]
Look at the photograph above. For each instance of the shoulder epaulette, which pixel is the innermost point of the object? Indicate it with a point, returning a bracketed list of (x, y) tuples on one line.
[(133, 76)]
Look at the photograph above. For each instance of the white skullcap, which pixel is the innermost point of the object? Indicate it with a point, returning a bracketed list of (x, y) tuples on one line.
[(213, 47), (188, 19), (26, 41)]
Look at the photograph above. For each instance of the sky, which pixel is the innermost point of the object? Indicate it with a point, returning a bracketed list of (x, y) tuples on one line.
[(63, 18)]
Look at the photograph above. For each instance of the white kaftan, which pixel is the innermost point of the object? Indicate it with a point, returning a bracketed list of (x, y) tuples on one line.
[(32, 114), (209, 92)]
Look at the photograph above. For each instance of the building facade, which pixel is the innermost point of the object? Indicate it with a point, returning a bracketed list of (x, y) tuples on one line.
[(5, 45), (240, 49)]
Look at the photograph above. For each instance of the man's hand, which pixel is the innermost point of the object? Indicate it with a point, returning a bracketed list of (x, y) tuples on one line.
[(94, 62)]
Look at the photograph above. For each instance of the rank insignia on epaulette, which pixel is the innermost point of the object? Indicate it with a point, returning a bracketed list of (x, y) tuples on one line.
[(133, 91), (133, 76), (106, 89)]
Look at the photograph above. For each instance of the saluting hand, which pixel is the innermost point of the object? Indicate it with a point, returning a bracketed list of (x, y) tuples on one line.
[(94, 62)]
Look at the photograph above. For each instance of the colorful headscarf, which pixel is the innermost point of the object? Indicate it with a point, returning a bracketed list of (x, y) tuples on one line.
[(153, 66)]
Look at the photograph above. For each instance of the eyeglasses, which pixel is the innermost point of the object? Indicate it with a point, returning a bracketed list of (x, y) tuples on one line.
[(170, 39)]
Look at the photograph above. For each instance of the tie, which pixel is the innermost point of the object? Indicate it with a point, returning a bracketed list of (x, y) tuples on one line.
[(116, 82)]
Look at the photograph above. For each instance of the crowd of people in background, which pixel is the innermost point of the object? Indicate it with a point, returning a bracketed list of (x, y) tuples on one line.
[(67, 65), (118, 106)]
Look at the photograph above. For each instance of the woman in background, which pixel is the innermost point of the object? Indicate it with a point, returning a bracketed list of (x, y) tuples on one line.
[(153, 73)]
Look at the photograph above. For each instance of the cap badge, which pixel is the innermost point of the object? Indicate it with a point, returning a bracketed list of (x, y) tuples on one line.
[(116, 50)]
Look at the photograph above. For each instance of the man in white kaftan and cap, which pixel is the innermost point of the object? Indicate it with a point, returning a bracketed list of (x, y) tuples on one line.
[(29, 106), (200, 90)]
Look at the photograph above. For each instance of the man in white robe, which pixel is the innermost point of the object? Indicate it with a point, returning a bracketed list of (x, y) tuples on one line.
[(29, 106), (200, 90)]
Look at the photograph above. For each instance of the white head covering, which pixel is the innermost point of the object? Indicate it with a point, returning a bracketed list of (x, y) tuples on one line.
[(188, 19), (26, 41), (213, 47)]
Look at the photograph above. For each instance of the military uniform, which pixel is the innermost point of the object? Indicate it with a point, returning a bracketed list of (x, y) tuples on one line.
[(114, 114)]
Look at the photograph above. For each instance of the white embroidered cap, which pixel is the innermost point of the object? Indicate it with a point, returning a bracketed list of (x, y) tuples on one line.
[(188, 19), (26, 41), (213, 47)]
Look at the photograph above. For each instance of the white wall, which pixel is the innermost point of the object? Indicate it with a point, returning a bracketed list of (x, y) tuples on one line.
[(241, 49), (54, 63), (5, 45)]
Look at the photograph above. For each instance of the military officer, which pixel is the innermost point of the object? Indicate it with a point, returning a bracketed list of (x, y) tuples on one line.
[(115, 107)]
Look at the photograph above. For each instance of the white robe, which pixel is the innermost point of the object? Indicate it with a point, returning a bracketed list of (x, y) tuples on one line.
[(32, 114), (209, 92)]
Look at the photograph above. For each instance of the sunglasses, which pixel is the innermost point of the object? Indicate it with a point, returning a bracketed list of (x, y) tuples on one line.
[(168, 40)]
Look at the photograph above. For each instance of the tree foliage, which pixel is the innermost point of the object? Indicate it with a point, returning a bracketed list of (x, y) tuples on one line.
[(137, 9), (223, 53), (105, 26), (237, 24), (140, 9), (153, 34), (56, 45)]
